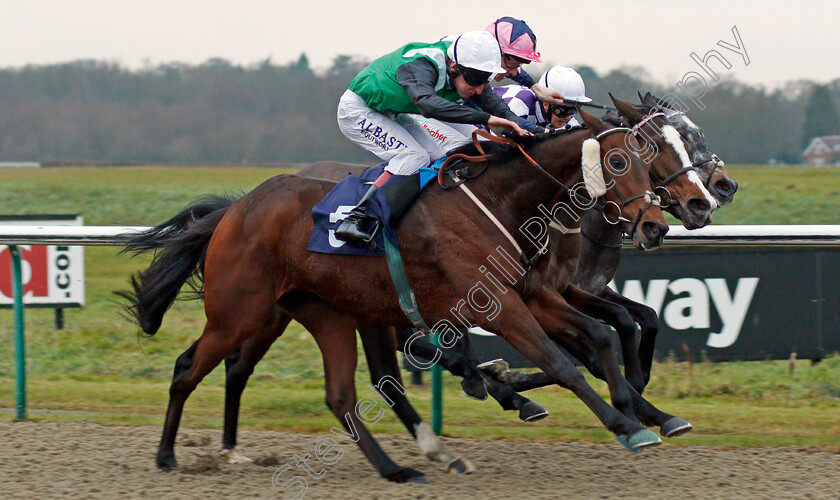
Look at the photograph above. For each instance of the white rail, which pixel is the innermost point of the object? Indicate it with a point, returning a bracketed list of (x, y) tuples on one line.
[(754, 235), (67, 235), (678, 236)]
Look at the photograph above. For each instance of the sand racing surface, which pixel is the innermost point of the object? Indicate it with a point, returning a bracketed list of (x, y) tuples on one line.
[(81, 460)]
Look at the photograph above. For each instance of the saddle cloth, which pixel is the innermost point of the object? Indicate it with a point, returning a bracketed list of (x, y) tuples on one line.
[(335, 206)]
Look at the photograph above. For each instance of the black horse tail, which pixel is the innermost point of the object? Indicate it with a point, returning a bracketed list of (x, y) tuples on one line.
[(180, 245)]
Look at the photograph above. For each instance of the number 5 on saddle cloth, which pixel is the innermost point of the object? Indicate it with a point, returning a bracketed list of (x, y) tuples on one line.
[(385, 208)]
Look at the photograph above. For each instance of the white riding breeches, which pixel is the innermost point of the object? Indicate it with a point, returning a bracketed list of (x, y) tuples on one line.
[(407, 142)]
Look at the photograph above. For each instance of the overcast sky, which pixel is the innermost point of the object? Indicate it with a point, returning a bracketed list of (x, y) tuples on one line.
[(783, 39)]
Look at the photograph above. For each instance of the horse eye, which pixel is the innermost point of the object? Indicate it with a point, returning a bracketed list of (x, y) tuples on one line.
[(653, 147), (616, 161)]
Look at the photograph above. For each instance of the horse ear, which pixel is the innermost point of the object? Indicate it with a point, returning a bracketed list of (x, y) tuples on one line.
[(649, 100), (592, 122), (627, 111), (641, 99)]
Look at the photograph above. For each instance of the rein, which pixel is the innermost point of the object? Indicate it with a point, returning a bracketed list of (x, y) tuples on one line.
[(483, 157)]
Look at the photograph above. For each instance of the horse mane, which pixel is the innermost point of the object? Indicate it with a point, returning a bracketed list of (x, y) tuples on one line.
[(495, 149), (613, 119), (502, 152)]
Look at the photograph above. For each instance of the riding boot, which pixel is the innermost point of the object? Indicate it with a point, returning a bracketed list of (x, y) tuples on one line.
[(350, 229)]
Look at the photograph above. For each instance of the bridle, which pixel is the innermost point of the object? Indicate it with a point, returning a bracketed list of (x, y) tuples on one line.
[(715, 160), (650, 197)]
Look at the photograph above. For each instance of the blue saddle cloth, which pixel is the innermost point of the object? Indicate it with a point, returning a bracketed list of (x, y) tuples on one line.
[(330, 211)]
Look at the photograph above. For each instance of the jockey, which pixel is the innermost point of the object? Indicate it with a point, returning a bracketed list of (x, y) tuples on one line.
[(519, 47), (523, 101), (396, 106)]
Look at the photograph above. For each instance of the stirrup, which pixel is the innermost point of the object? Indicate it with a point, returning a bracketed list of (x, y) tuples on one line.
[(369, 241), (355, 235)]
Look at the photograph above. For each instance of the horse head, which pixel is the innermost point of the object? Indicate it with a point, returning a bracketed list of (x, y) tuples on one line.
[(709, 167), (674, 178), (629, 200)]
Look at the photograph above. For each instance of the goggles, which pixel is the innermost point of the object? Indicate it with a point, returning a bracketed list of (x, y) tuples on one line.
[(561, 111), (513, 62), (473, 77)]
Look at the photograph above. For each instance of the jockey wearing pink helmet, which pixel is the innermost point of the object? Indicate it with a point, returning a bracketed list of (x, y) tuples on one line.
[(519, 46)]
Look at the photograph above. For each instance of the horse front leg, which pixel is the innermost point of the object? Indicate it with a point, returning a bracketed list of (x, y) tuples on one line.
[(648, 323), (669, 425), (564, 324), (380, 345), (519, 326), (508, 398), (616, 316)]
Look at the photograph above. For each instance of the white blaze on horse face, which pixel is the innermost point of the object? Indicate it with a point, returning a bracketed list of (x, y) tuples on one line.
[(690, 124), (672, 137)]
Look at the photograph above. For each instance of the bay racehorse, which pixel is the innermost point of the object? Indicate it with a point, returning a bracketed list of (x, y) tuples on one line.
[(689, 201), (256, 270)]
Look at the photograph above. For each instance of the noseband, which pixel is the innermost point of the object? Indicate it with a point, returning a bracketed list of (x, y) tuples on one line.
[(651, 198)]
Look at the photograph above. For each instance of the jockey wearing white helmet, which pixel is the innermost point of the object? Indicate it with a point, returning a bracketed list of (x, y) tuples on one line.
[(567, 82), (395, 107), (525, 104)]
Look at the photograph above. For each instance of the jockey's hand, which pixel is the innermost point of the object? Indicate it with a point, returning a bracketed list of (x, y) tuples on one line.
[(496, 123), (545, 94)]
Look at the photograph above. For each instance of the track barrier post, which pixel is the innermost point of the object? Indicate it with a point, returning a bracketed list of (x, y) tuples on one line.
[(437, 391), (20, 346)]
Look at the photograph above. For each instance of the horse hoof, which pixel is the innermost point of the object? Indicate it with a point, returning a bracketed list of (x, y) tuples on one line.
[(532, 412), (675, 426), (407, 475), (232, 456), (166, 464), (474, 389), (460, 466), (495, 368), (639, 440)]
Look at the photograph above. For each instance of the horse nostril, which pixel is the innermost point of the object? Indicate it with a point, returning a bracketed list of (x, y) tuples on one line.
[(654, 231), (699, 206), (726, 187)]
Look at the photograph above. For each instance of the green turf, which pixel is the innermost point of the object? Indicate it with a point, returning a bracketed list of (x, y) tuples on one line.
[(98, 369)]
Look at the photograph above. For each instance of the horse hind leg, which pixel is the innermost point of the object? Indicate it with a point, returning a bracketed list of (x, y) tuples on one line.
[(224, 331), (380, 350), (508, 399), (239, 366), (190, 368), (460, 362), (177, 397), (415, 345), (335, 334)]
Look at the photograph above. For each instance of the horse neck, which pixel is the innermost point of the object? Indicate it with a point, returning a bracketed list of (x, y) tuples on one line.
[(521, 189), (599, 232)]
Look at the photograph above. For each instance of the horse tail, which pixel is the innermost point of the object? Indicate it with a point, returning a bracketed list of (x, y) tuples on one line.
[(179, 246)]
